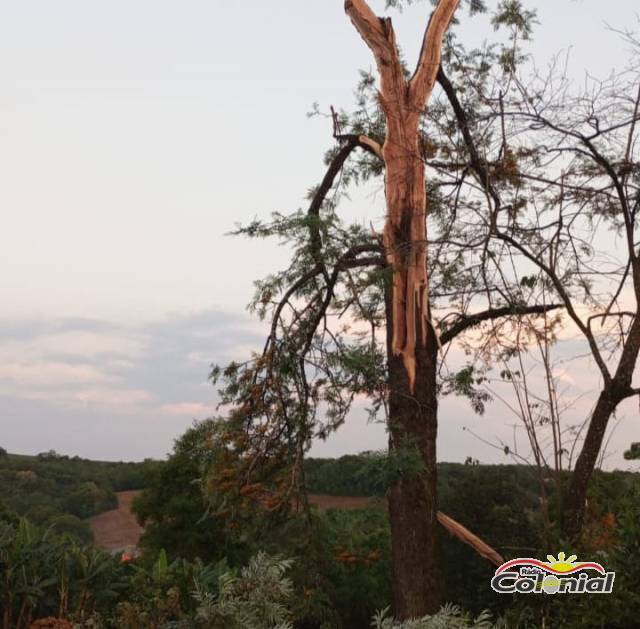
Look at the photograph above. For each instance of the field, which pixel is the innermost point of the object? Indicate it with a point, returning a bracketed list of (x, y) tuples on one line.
[(118, 529)]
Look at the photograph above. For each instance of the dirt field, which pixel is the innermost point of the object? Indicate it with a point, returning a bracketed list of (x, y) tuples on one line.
[(118, 529)]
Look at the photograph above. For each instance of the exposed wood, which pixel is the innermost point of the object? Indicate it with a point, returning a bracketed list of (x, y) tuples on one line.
[(375, 148), (405, 233), (424, 78), (411, 349), (467, 537)]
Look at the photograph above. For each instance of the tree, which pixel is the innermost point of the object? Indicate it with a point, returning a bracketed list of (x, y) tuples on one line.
[(172, 508), (411, 345), (633, 453), (572, 215), (345, 284)]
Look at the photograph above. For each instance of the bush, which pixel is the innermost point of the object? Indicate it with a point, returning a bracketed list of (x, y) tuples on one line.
[(449, 617)]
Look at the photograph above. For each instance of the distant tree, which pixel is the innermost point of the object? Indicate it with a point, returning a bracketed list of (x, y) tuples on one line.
[(89, 499), (633, 453), (72, 525), (49, 455), (3, 452), (172, 508)]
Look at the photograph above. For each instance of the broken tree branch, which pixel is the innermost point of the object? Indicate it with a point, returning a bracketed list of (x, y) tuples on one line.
[(405, 232), (424, 78), (467, 537)]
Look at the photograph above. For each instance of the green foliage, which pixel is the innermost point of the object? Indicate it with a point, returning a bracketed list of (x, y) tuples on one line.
[(161, 594), (513, 15), (350, 475), (468, 383), (53, 489), (172, 507), (618, 552), (43, 574), (258, 597), (356, 548), (339, 573), (449, 617), (71, 525)]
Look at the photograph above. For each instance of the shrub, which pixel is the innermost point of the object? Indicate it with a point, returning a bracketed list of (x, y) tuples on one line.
[(449, 617)]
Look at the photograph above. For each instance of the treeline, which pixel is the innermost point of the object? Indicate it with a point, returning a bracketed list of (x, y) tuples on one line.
[(369, 473), (339, 574), (56, 490), (342, 573), (499, 503)]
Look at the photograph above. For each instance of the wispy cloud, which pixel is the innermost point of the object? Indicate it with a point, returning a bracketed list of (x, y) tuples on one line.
[(97, 370)]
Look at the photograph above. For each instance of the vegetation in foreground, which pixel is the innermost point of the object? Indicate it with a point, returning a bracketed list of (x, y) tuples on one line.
[(318, 570)]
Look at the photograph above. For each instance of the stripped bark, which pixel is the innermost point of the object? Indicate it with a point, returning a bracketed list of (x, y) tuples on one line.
[(411, 350), (455, 529), (405, 233)]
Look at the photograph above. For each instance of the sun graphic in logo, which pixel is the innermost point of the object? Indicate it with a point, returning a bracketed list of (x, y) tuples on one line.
[(562, 563), (562, 566)]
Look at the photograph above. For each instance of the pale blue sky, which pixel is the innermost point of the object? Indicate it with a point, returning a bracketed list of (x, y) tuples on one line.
[(133, 135)]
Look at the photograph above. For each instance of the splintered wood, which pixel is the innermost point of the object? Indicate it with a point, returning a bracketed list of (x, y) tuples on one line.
[(405, 233)]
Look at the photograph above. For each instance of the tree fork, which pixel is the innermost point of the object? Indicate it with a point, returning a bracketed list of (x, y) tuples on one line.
[(405, 233), (411, 350)]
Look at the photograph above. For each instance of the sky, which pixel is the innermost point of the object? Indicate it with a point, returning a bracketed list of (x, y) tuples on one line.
[(134, 135)]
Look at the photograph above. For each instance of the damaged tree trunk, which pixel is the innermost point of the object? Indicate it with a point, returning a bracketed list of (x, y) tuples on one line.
[(403, 102), (411, 345), (412, 497)]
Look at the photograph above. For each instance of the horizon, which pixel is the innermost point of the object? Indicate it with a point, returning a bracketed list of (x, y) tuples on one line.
[(123, 171)]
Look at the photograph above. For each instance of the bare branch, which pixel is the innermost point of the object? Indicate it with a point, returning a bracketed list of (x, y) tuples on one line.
[(470, 321), (424, 77), (467, 537), (379, 36)]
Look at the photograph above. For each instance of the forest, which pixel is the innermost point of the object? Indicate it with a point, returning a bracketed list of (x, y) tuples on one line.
[(504, 272), (61, 492), (326, 568)]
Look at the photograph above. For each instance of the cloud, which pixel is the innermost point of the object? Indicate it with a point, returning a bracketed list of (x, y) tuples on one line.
[(188, 409), (112, 397), (100, 371), (114, 391), (35, 375)]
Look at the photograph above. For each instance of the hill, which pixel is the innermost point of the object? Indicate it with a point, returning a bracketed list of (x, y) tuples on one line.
[(61, 491)]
